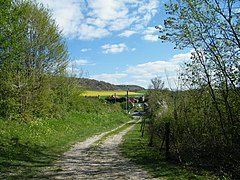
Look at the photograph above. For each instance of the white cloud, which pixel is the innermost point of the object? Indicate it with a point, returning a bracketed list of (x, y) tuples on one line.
[(91, 19), (150, 30), (107, 9), (150, 37), (149, 9), (181, 57), (127, 33), (167, 70), (141, 74), (86, 32), (150, 6), (85, 49), (67, 14), (152, 68), (80, 62), (121, 24), (111, 78), (151, 34), (114, 48)]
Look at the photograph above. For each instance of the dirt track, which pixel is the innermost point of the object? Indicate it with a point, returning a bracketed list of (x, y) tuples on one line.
[(88, 160)]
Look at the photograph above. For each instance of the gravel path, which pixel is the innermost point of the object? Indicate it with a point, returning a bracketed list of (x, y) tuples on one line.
[(88, 160)]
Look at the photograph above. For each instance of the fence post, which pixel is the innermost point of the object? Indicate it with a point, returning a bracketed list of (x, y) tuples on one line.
[(167, 130), (127, 103)]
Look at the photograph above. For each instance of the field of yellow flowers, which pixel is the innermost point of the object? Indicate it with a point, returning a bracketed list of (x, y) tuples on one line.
[(109, 93)]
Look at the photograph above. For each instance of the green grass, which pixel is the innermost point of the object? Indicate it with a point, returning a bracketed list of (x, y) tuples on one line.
[(28, 148), (116, 131), (136, 148)]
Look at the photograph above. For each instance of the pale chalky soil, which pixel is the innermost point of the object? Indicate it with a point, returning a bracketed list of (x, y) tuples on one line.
[(102, 161)]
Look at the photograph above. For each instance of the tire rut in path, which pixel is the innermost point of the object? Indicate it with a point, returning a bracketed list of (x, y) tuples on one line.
[(87, 160)]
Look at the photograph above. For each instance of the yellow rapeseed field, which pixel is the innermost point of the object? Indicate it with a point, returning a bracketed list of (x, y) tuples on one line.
[(108, 93)]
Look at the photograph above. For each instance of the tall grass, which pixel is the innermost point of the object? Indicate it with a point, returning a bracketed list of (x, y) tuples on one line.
[(137, 150), (27, 148)]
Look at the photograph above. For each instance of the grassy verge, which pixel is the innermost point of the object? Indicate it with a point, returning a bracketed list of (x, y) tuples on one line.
[(27, 148), (114, 132), (135, 148)]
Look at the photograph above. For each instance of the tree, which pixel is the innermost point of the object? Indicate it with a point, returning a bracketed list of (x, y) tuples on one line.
[(156, 84), (8, 42), (32, 52), (156, 106), (212, 29)]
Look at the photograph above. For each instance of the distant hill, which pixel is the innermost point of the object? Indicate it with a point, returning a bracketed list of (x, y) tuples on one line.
[(94, 85), (133, 88)]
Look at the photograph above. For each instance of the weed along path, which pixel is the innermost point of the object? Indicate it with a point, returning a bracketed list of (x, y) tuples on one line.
[(98, 158)]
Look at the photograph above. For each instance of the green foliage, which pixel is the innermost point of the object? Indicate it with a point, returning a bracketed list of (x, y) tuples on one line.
[(205, 118), (136, 148), (196, 136), (32, 65), (32, 52)]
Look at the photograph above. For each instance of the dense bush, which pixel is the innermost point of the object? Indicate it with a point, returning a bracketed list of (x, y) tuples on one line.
[(33, 60), (204, 111), (196, 134)]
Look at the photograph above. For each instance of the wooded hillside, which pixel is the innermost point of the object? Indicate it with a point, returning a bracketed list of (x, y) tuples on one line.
[(94, 85)]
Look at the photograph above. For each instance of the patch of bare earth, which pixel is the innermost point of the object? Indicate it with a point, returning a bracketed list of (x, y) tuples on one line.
[(88, 160)]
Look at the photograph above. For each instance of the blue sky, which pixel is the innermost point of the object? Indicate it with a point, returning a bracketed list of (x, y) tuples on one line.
[(115, 40)]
